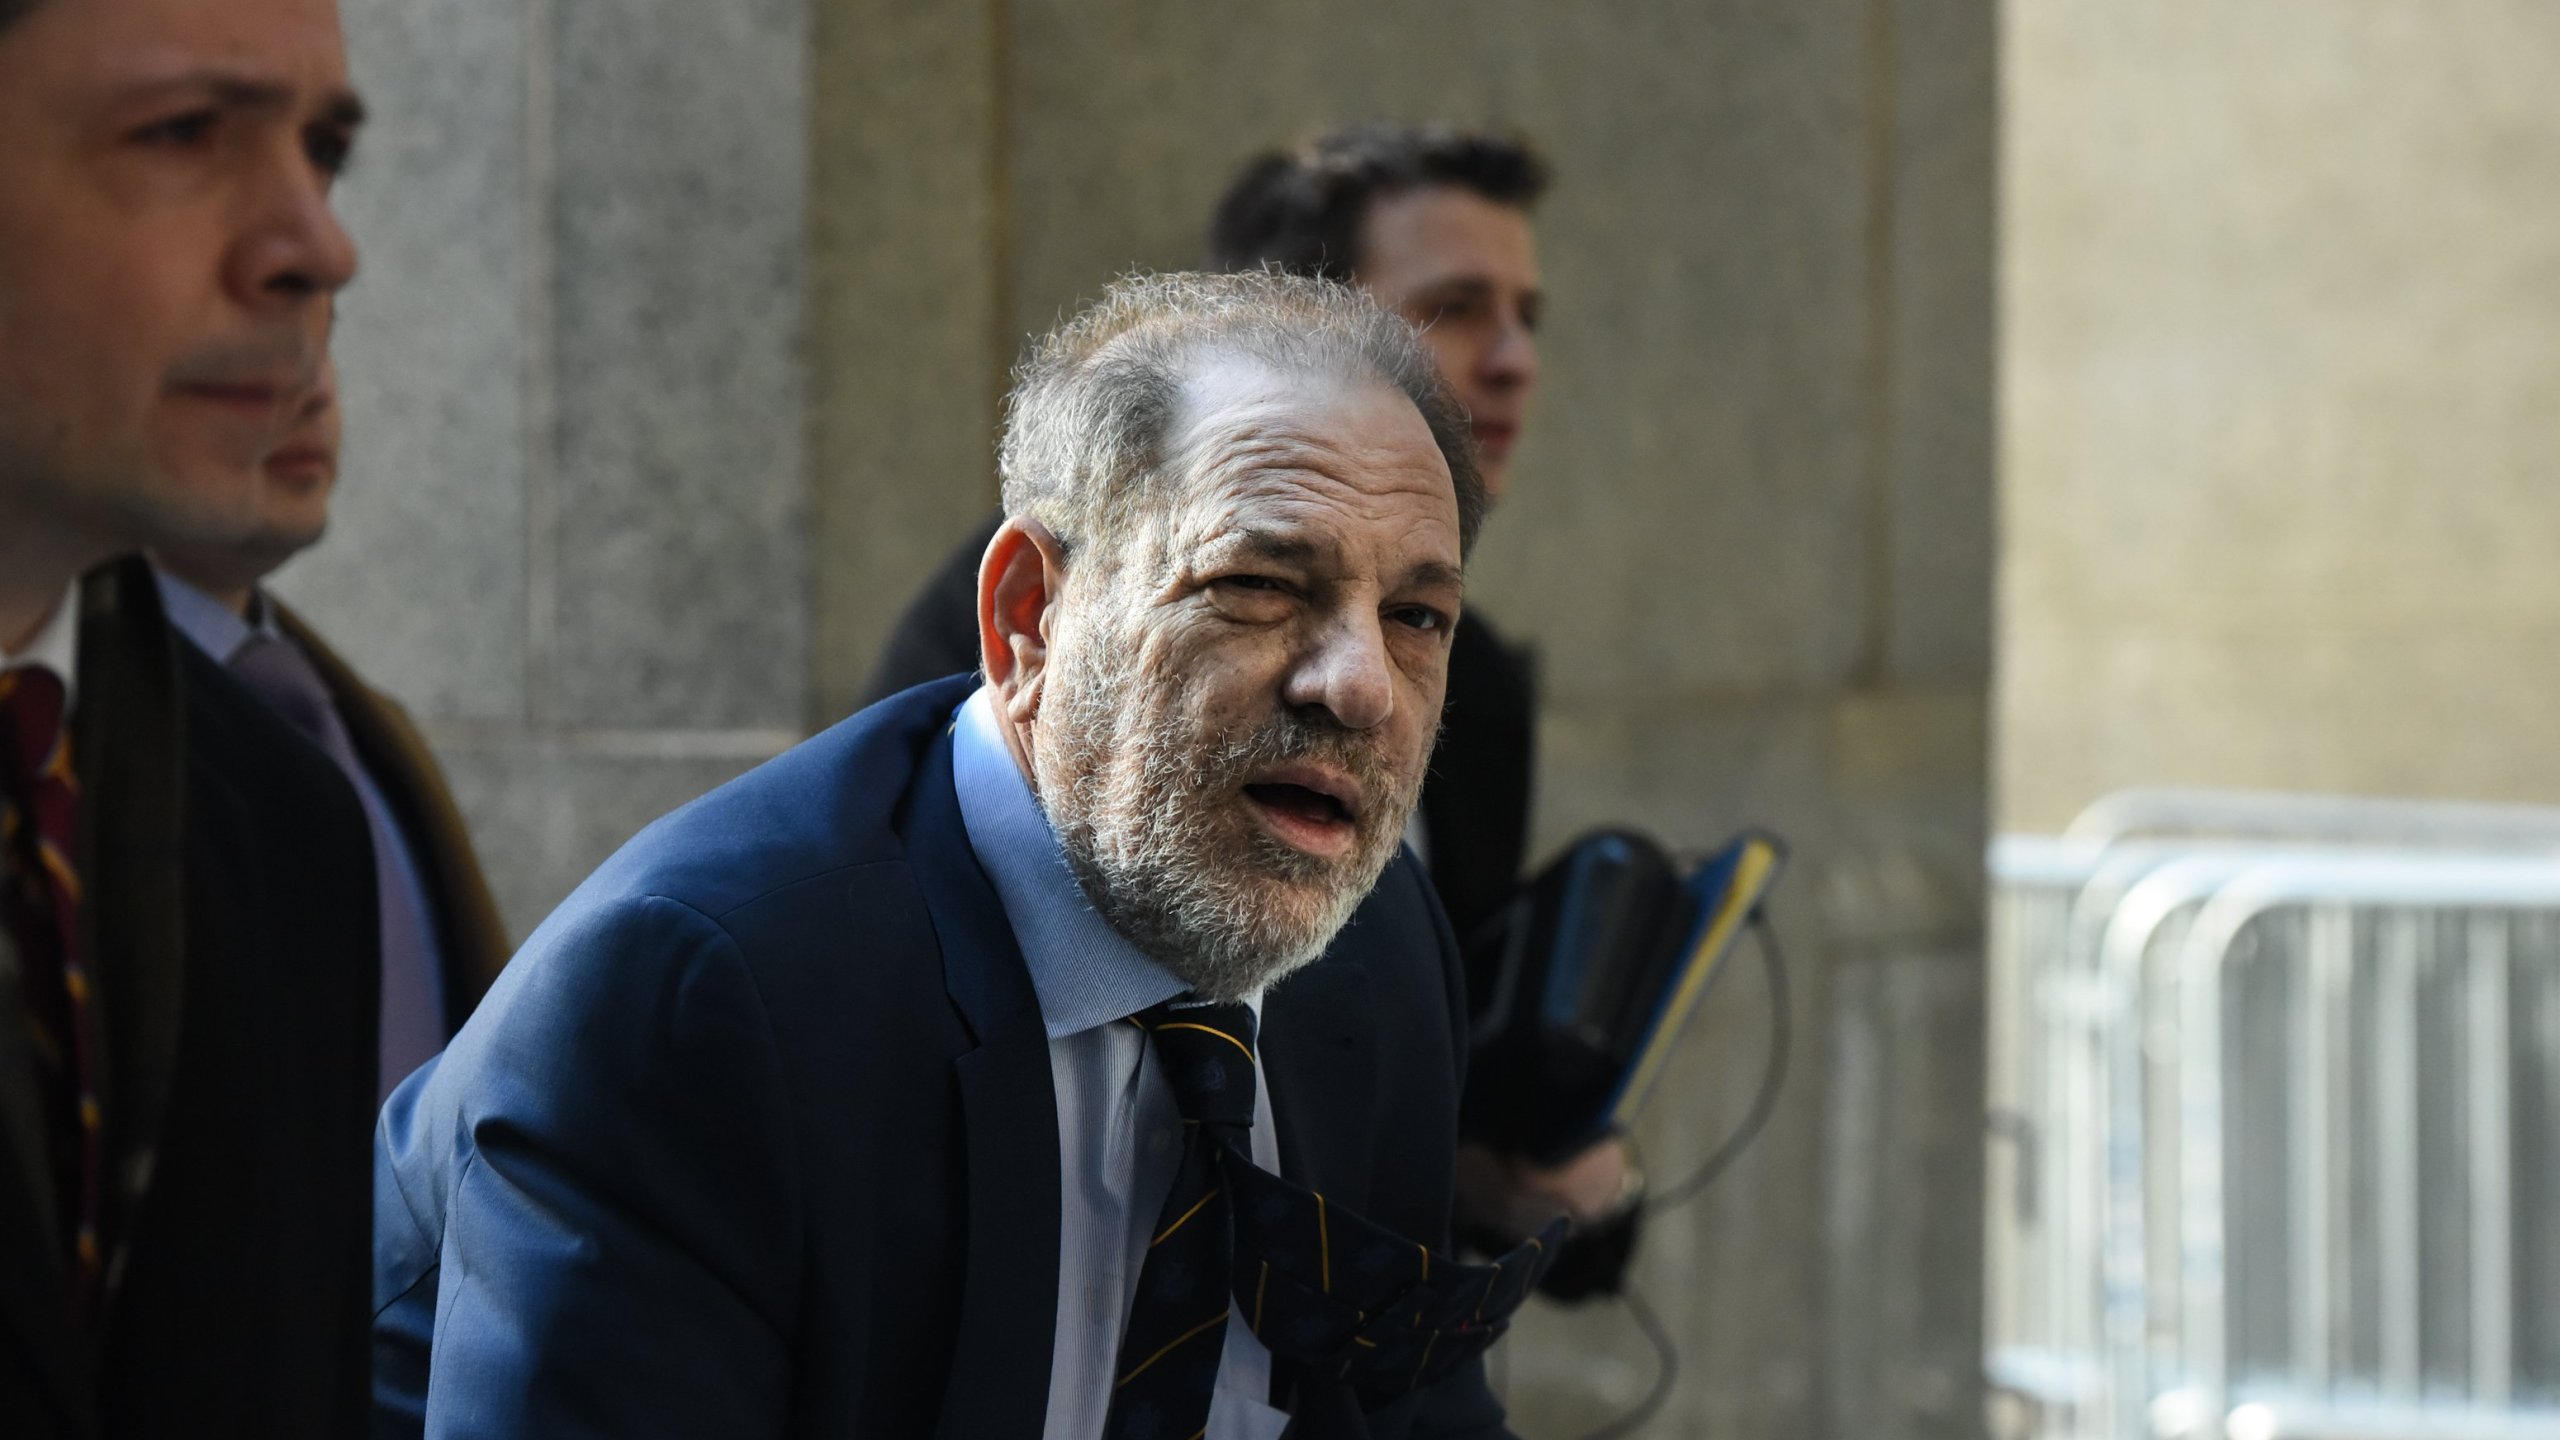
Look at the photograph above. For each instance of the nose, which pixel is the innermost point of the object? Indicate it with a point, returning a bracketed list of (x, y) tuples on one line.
[(291, 248), (1511, 362), (1347, 674)]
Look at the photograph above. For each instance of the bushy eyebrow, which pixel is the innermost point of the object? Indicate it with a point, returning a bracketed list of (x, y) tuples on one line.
[(1433, 574)]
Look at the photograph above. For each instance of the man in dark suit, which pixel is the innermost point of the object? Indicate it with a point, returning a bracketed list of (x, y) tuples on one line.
[(1000, 1062), (442, 941), (186, 936), (1434, 224)]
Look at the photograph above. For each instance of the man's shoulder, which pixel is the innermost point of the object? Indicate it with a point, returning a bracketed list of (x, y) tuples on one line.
[(830, 804), (763, 925), (799, 874), (1401, 938)]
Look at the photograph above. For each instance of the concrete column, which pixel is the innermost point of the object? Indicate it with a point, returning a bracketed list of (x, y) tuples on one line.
[(911, 239), (572, 527)]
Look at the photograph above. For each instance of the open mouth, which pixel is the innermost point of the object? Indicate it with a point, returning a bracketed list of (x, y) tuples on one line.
[(1313, 806), (1304, 818)]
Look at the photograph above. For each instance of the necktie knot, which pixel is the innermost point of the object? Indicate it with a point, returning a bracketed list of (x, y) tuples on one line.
[(1207, 1051), (277, 671)]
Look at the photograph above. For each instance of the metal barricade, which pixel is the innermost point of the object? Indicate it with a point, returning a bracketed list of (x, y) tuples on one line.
[(2277, 1121)]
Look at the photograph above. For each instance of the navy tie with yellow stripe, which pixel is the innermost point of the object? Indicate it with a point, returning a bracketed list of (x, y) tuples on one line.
[(1319, 1285), (1176, 1333)]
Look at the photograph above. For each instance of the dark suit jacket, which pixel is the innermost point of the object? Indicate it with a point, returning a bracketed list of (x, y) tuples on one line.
[(468, 927), (1475, 805), (229, 920), (756, 1135)]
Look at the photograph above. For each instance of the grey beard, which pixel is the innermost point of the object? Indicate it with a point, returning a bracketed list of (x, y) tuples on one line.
[(1133, 801)]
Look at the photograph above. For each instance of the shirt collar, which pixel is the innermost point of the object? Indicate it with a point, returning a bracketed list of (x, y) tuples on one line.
[(208, 622), (1085, 972), (56, 646)]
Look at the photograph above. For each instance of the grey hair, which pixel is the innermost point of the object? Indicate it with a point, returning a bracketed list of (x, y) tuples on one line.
[(1093, 400)]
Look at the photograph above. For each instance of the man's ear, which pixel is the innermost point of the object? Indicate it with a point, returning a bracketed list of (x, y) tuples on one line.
[(1019, 582)]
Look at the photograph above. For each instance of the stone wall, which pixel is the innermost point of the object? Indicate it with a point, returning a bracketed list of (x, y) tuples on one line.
[(571, 533), (677, 361), (2281, 347)]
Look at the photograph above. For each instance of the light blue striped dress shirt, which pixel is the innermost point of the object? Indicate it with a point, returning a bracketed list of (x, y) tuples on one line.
[(221, 635), (1119, 1133)]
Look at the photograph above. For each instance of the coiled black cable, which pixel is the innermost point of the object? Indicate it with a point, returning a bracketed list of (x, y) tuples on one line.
[(1667, 1376), (1773, 1078)]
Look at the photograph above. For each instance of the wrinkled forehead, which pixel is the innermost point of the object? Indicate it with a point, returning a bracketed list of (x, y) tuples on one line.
[(1339, 464)]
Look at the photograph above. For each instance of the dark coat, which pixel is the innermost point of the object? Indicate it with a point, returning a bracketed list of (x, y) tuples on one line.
[(229, 921), (756, 1136), (1475, 805), (473, 937)]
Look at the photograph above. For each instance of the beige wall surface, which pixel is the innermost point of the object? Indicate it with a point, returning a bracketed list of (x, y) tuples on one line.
[(1749, 536), (2280, 359)]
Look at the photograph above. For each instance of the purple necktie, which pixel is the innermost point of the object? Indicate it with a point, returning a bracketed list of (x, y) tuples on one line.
[(412, 1004)]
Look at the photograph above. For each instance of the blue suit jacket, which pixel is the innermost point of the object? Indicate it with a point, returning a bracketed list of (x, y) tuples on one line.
[(756, 1136)]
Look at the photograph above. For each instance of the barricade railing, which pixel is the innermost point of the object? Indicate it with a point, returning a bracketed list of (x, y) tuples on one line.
[(2276, 1121)]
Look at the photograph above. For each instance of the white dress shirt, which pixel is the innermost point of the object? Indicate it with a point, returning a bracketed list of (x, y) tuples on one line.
[(1119, 1131), (56, 646)]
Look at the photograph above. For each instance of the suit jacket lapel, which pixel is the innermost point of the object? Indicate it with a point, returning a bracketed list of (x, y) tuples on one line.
[(1319, 1053), (999, 1383), (35, 1294), (130, 751)]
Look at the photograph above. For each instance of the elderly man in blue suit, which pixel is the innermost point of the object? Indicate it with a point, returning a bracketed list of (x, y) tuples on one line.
[(1070, 1055)]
